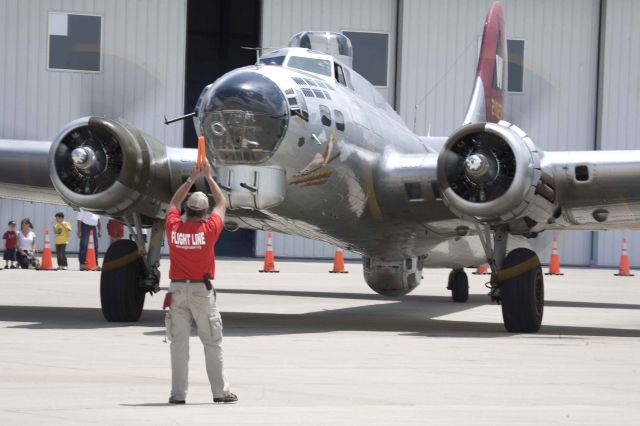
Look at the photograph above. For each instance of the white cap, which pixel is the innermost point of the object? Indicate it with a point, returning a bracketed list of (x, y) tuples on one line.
[(198, 201)]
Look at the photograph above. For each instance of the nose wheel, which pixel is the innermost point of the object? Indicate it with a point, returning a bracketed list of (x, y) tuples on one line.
[(459, 285)]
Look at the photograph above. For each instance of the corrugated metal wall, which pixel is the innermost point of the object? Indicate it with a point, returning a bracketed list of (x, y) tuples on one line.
[(142, 74), (142, 78), (439, 53), (620, 127)]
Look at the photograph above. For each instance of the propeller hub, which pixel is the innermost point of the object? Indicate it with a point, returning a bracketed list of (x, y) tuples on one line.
[(83, 157), (476, 165)]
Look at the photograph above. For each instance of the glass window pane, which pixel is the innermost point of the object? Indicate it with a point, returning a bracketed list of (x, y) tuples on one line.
[(370, 54), (74, 41), (318, 66), (274, 60), (515, 50)]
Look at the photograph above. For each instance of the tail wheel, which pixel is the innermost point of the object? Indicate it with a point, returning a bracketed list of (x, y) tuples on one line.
[(459, 286), (522, 291), (121, 295)]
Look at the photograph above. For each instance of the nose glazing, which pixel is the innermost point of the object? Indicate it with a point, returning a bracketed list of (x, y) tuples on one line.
[(243, 117)]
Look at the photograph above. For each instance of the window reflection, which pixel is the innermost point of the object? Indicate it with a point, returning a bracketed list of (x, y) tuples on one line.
[(314, 65)]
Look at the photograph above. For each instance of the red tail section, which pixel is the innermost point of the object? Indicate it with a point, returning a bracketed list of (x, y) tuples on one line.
[(487, 100)]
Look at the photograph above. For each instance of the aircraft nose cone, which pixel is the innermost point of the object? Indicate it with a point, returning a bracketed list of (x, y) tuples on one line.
[(476, 165), (243, 117)]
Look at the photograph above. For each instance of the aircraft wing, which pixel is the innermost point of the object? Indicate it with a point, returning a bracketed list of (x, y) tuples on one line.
[(24, 172)]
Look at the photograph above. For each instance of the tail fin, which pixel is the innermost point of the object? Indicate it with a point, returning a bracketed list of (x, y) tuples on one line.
[(487, 99)]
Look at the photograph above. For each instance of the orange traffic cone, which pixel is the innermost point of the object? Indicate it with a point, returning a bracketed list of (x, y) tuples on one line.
[(47, 262), (554, 262), (482, 270), (338, 262), (90, 263), (624, 270), (269, 260)]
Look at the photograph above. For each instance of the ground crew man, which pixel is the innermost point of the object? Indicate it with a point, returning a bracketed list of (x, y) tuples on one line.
[(191, 252)]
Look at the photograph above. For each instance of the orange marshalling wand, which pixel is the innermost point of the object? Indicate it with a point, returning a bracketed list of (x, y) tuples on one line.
[(202, 157)]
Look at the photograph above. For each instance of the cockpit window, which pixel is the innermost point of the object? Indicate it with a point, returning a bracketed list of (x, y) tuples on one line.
[(273, 60), (340, 75), (314, 65)]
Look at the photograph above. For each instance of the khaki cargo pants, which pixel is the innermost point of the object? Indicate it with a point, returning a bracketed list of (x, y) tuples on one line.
[(189, 302)]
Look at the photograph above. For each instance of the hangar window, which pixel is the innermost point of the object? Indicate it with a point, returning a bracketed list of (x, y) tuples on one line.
[(370, 56), (515, 71), (75, 42)]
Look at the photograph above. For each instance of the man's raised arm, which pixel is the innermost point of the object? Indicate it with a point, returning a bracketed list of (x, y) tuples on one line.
[(218, 196), (183, 190)]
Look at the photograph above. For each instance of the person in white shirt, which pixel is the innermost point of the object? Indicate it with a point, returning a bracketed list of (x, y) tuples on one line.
[(26, 242), (87, 222)]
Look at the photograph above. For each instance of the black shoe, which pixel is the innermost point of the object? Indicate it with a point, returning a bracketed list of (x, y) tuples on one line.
[(176, 401), (227, 399)]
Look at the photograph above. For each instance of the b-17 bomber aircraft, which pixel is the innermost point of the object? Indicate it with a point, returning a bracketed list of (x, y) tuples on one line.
[(302, 144)]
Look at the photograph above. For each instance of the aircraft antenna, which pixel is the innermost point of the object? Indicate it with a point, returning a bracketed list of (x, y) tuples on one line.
[(442, 77), (258, 51)]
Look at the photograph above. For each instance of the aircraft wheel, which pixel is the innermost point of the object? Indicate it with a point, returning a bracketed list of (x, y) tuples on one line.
[(522, 291), (459, 286), (121, 295)]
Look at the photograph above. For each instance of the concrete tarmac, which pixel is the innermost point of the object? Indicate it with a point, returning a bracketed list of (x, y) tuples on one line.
[(308, 347)]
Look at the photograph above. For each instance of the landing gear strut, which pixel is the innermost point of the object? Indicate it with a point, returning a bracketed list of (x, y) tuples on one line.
[(459, 285), (129, 271), (517, 282)]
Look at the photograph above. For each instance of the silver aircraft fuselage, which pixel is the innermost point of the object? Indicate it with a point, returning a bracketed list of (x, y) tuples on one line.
[(338, 186)]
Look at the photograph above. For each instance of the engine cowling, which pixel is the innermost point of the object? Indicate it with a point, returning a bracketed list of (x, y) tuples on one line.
[(392, 278), (490, 173), (110, 167)]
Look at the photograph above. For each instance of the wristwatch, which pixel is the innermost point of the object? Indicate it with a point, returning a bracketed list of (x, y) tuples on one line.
[(189, 179)]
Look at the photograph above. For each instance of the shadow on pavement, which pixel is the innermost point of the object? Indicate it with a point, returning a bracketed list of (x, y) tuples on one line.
[(412, 315)]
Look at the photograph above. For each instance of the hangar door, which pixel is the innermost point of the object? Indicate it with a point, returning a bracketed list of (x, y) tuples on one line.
[(216, 29)]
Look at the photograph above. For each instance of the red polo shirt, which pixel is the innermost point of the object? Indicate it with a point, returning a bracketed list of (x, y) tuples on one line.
[(191, 246)]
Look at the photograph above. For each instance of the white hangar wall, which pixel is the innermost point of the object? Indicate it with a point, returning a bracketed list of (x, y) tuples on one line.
[(620, 107), (142, 75), (141, 79)]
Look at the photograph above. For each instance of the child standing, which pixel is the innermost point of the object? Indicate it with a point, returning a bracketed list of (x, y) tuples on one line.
[(10, 242), (61, 229)]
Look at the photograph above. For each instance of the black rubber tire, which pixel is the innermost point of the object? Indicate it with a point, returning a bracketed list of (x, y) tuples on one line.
[(459, 285), (522, 291), (121, 296)]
